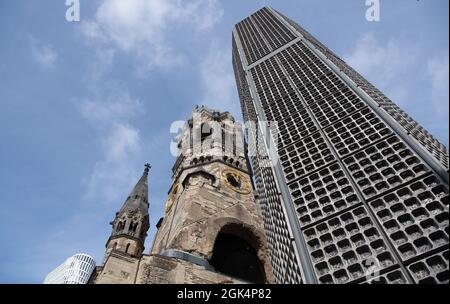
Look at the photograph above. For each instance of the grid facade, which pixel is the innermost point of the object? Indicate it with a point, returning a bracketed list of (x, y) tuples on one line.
[(75, 270), (359, 179), (420, 134), (285, 264)]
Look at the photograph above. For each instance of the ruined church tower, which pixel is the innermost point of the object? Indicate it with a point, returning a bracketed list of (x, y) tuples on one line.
[(211, 217), (212, 231)]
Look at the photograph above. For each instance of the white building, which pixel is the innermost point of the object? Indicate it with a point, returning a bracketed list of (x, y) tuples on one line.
[(75, 270)]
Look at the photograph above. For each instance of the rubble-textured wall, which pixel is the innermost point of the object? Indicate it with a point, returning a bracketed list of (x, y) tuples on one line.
[(156, 269), (118, 269), (212, 193), (205, 205)]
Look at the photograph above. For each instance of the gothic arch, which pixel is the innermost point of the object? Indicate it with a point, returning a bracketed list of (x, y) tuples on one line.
[(238, 250)]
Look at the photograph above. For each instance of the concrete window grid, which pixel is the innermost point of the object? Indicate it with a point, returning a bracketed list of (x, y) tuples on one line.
[(305, 156), (272, 238), (341, 247), (435, 148), (293, 120), (357, 131), (273, 31), (438, 150), (286, 111), (323, 194), (305, 76), (385, 133), (299, 56), (334, 117), (336, 107), (401, 117), (384, 166), (284, 250), (253, 47), (280, 28), (292, 271), (291, 127), (415, 217), (431, 270), (406, 121), (286, 108), (283, 98), (277, 230), (268, 75), (273, 92), (267, 31), (321, 87), (260, 48), (396, 276), (301, 66)]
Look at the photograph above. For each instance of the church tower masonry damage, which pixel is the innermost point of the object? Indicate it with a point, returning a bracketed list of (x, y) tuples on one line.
[(212, 231)]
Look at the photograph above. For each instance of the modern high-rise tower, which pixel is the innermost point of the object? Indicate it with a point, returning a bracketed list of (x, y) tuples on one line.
[(360, 190)]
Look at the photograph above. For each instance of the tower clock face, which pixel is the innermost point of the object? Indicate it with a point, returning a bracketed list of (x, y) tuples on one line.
[(237, 181)]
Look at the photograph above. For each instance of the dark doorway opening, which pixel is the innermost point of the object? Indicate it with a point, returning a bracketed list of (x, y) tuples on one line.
[(233, 256)]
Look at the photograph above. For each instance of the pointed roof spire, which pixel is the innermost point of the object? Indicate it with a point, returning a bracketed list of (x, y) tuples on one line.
[(138, 198)]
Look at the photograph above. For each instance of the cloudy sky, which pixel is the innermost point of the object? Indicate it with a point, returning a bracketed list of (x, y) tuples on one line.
[(84, 105)]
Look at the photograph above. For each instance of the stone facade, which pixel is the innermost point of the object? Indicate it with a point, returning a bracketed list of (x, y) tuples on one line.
[(212, 231)]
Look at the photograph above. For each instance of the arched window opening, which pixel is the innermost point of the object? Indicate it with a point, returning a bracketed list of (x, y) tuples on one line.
[(120, 226), (133, 227), (235, 257), (223, 141), (128, 247), (206, 131)]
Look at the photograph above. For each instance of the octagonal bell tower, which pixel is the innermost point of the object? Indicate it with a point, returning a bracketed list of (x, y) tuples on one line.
[(211, 217)]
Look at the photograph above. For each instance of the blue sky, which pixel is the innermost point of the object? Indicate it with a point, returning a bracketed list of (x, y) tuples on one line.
[(84, 105)]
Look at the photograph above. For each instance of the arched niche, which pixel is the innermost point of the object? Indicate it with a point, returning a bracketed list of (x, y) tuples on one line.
[(237, 253)]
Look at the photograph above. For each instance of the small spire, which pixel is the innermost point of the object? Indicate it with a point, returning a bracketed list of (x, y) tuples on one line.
[(138, 198)]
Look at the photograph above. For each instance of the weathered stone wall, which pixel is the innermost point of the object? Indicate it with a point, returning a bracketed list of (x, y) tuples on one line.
[(118, 269), (204, 205), (211, 194), (156, 269)]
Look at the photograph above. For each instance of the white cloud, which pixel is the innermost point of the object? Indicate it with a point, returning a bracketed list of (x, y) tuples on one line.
[(43, 54), (122, 142), (383, 64), (113, 175), (120, 145), (140, 27), (217, 77), (142, 30), (111, 109), (438, 72)]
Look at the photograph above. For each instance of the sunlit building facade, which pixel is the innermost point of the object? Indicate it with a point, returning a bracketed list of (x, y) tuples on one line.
[(75, 270)]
